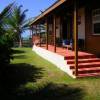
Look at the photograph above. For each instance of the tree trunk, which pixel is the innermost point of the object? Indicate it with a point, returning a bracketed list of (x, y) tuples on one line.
[(20, 41)]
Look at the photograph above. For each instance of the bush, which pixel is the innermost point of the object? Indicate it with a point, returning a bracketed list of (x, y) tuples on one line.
[(5, 50)]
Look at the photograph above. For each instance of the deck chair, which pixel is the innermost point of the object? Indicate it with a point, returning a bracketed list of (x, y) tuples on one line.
[(67, 44)]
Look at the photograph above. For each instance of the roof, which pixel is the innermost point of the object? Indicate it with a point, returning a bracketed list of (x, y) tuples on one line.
[(48, 10)]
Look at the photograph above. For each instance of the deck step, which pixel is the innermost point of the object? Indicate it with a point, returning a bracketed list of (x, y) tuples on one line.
[(88, 70), (80, 57), (84, 60), (86, 65), (88, 75)]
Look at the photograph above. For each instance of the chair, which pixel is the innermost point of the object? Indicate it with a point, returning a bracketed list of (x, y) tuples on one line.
[(67, 44)]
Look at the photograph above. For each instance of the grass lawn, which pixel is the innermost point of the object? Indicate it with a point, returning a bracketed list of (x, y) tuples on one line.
[(29, 77)]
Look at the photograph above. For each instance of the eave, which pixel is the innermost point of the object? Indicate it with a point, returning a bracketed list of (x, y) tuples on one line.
[(54, 6)]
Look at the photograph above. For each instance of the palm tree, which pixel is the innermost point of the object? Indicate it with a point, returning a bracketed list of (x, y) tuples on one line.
[(17, 22), (3, 15)]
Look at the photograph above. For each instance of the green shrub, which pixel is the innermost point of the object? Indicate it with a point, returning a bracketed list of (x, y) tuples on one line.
[(5, 49)]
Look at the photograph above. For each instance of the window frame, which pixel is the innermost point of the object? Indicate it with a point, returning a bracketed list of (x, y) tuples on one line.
[(94, 10)]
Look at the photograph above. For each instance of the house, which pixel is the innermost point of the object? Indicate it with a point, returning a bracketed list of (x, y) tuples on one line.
[(77, 21)]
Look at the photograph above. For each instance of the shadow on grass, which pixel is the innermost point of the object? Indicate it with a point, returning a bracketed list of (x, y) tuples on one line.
[(18, 51), (15, 75), (57, 92), (19, 56), (50, 92)]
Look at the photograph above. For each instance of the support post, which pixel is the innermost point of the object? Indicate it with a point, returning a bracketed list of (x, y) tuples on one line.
[(46, 26), (40, 34), (54, 32), (36, 30), (31, 34), (76, 37)]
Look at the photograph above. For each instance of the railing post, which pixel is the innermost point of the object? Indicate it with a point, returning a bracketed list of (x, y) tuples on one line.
[(40, 33), (46, 26), (36, 30), (54, 31), (31, 34)]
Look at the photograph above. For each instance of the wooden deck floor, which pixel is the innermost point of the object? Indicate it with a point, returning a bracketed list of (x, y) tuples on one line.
[(64, 51)]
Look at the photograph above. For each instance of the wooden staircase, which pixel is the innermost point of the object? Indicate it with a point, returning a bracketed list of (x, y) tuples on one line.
[(88, 65)]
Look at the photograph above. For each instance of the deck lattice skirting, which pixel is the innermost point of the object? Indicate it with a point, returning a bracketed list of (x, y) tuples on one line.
[(54, 58)]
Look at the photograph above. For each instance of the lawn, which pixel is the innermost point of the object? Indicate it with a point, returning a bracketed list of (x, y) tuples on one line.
[(29, 77)]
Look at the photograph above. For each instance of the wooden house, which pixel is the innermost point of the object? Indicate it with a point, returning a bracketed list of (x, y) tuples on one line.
[(77, 24)]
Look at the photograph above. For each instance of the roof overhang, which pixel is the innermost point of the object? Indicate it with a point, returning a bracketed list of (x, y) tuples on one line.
[(57, 4)]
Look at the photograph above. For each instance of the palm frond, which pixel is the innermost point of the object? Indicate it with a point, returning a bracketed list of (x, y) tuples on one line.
[(6, 11), (17, 22), (3, 15)]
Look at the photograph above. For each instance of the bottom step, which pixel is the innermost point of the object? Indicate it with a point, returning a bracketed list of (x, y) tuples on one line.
[(88, 75)]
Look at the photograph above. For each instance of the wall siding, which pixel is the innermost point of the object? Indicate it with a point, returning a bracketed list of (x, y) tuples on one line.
[(92, 41)]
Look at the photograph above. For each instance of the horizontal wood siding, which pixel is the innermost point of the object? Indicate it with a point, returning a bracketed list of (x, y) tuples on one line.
[(92, 41)]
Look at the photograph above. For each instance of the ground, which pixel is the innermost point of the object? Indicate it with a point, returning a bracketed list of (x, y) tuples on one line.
[(29, 77)]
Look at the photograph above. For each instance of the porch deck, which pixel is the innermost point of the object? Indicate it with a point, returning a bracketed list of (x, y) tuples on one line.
[(65, 52), (88, 64)]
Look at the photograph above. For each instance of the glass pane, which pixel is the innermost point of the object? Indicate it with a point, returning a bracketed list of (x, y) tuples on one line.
[(97, 28)]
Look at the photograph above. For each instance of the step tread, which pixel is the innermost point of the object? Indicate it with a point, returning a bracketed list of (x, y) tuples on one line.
[(83, 60), (88, 75), (88, 69), (92, 63), (80, 56)]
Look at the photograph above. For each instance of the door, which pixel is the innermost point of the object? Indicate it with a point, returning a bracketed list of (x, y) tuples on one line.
[(81, 28)]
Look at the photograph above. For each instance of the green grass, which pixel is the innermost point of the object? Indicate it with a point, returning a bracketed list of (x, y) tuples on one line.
[(30, 77)]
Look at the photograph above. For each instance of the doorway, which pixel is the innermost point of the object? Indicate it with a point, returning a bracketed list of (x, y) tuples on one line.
[(67, 28)]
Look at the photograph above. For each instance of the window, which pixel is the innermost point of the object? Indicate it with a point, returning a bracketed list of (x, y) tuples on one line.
[(96, 21)]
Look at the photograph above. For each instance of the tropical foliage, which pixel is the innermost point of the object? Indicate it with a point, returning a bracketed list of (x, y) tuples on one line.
[(12, 24), (4, 15), (5, 40), (17, 23)]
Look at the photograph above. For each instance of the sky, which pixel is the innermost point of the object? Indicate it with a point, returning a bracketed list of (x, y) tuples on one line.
[(34, 7)]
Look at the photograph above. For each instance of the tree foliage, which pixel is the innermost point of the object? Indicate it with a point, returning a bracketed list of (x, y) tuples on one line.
[(12, 24), (5, 15), (17, 23), (5, 40)]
